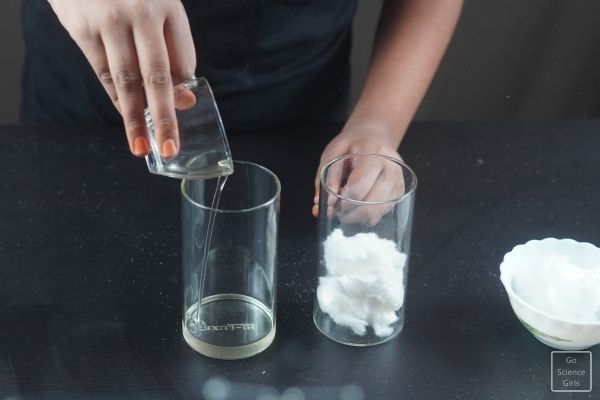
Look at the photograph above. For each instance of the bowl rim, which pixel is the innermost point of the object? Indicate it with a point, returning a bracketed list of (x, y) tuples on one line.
[(506, 279)]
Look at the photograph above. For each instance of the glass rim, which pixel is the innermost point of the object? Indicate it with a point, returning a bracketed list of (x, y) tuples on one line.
[(267, 203), (397, 161)]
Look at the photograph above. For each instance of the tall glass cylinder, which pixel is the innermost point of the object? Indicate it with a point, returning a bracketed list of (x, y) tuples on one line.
[(229, 261), (365, 218)]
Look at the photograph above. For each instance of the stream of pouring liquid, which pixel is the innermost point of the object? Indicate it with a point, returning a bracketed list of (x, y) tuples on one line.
[(221, 180)]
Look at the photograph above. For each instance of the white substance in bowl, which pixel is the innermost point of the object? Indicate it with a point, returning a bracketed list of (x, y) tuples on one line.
[(560, 288), (364, 283)]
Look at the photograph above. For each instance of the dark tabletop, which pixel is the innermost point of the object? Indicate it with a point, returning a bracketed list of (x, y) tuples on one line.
[(90, 286)]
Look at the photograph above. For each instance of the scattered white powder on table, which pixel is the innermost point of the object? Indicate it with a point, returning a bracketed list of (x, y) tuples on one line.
[(364, 284), (560, 288)]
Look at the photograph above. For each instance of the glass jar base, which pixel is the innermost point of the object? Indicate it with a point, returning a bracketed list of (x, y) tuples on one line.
[(229, 327), (345, 336)]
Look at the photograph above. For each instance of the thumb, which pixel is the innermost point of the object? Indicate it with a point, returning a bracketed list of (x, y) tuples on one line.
[(184, 98)]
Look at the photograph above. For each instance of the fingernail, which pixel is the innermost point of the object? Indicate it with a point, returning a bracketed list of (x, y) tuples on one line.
[(315, 211), (168, 149), (140, 146)]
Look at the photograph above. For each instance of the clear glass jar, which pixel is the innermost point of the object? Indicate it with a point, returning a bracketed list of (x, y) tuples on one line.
[(365, 217), (229, 261)]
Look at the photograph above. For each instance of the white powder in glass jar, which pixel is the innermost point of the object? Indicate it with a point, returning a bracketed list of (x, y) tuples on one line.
[(364, 285)]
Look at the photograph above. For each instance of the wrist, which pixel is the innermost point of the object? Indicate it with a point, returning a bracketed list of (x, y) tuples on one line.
[(375, 126)]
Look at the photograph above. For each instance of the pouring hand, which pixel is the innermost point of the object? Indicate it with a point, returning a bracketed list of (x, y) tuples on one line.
[(137, 49)]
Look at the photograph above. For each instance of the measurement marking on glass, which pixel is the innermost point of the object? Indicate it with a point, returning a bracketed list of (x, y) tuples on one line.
[(226, 327)]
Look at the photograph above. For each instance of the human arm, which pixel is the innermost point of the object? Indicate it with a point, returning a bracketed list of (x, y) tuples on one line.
[(138, 50), (411, 39)]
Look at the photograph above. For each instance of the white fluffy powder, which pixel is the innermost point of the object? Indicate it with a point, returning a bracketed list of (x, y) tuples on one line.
[(560, 288), (364, 283)]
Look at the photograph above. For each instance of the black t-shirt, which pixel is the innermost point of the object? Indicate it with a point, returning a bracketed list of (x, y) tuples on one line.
[(269, 62)]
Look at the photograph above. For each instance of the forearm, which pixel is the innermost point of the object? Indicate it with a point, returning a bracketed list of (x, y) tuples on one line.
[(411, 39)]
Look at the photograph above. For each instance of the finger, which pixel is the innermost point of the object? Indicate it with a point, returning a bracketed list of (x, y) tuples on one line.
[(315, 210), (331, 184), (364, 171), (371, 214), (182, 55), (94, 51), (125, 78), (180, 44), (317, 196), (317, 186), (337, 174), (334, 177), (389, 186), (155, 69), (315, 207), (333, 174), (394, 173)]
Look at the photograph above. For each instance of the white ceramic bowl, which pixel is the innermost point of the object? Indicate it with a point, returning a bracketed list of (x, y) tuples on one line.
[(555, 332)]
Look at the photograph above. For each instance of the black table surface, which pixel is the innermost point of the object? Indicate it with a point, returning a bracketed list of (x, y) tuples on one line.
[(90, 286)]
